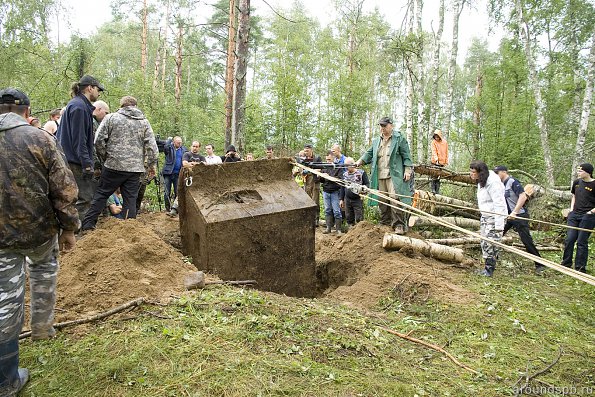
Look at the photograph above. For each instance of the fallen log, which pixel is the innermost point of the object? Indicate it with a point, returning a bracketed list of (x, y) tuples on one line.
[(393, 241), (535, 191), (443, 173), (467, 223), (438, 204), (467, 241), (464, 241), (426, 180)]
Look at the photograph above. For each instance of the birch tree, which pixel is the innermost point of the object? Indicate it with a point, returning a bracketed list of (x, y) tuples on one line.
[(524, 32), (452, 65), (421, 83), (432, 108), (579, 153)]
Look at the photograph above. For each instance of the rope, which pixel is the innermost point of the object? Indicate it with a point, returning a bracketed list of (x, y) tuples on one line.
[(415, 211)]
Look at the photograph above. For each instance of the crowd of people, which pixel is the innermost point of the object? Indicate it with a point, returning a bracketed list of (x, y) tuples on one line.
[(57, 180)]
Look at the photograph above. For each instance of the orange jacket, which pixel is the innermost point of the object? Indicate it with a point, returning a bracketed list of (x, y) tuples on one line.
[(439, 150)]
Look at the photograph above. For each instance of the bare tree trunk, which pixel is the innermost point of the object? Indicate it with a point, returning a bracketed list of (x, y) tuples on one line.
[(579, 153), (421, 85), (477, 114), (178, 72), (539, 104), (164, 49), (409, 83), (157, 64), (231, 59), (143, 49), (452, 67), (241, 68), (432, 124)]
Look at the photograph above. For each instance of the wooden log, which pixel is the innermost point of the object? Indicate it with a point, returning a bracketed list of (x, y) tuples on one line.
[(437, 204), (535, 191), (393, 241), (464, 241), (467, 223), (447, 181), (443, 173)]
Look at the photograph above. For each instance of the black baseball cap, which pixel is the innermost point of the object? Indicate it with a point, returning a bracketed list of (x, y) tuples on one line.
[(385, 120), (12, 96), (308, 146), (500, 168), (587, 167), (90, 80)]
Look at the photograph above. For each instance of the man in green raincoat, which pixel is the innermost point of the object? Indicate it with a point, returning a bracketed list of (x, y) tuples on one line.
[(391, 172)]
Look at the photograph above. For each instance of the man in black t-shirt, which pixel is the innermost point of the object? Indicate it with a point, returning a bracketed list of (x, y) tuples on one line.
[(582, 215), (515, 198), (193, 156)]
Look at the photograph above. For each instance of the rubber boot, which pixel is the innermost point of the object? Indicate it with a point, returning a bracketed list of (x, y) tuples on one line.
[(11, 376), (329, 224), (338, 224), (490, 266)]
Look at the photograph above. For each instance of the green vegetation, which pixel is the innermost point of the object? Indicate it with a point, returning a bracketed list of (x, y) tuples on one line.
[(233, 342)]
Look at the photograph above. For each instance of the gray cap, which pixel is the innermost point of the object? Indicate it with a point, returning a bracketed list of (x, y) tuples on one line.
[(385, 120), (12, 96)]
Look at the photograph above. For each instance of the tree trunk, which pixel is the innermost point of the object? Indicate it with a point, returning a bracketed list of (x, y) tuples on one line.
[(229, 71), (143, 50), (539, 103), (452, 67), (394, 242), (178, 72), (157, 64), (433, 111), (536, 191), (421, 84), (164, 48), (477, 114), (409, 83), (472, 224), (579, 153), (239, 81)]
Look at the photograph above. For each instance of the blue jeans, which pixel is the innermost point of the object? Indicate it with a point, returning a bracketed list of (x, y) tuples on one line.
[(331, 204), (168, 181), (584, 221)]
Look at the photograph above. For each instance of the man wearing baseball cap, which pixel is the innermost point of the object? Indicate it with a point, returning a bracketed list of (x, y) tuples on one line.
[(75, 134), (391, 171), (37, 217), (582, 215)]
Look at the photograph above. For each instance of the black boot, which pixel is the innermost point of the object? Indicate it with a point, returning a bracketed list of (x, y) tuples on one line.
[(329, 224), (338, 224), (490, 266), (12, 378)]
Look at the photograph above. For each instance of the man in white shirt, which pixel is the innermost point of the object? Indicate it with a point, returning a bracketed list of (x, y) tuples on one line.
[(211, 157)]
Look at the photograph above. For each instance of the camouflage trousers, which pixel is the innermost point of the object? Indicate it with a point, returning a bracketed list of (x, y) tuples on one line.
[(42, 264), (488, 229)]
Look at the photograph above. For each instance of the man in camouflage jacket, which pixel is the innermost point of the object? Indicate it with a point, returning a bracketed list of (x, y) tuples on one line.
[(123, 141), (38, 196)]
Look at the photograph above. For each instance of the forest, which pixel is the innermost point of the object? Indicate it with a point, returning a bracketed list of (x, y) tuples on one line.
[(285, 79)]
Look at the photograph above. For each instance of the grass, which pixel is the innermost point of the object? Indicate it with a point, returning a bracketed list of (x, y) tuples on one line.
[(233, 342)]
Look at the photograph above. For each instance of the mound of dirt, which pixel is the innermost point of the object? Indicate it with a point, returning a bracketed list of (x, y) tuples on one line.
[(166, 227), (356, 270), (118, 262)]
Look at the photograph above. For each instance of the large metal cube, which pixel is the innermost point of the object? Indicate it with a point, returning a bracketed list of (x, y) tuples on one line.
[(249, 220)]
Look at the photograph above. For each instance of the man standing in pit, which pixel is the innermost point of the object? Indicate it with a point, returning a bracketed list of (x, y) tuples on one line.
[(174, 151)]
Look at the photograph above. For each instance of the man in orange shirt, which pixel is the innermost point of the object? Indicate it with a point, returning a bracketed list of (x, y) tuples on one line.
[(439, 157)]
